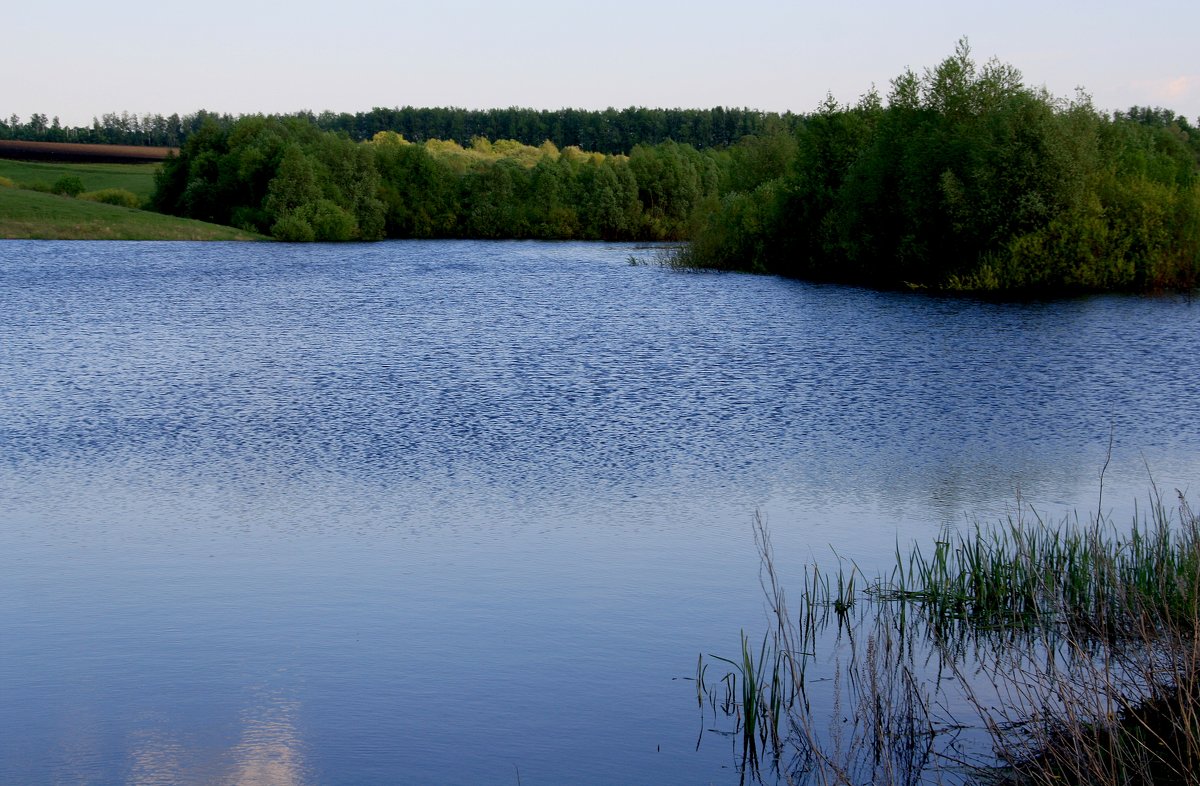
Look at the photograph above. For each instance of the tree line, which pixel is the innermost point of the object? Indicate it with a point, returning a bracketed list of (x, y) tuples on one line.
[(150, 130), (608, 131), (967, 179), (288, 178)]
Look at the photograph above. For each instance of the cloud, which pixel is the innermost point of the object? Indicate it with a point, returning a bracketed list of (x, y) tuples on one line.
[(1182, 86), (1180, 93)]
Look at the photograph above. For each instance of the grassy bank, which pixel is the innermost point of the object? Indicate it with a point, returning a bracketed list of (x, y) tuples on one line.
[(1026, 652), (36, 215), (137, 179)]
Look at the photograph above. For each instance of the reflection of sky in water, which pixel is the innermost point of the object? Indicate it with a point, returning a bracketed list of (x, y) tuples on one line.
[(268, 752), (444, 511)]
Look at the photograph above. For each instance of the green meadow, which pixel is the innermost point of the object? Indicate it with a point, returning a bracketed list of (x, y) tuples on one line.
[(42, 216), (138, 179)]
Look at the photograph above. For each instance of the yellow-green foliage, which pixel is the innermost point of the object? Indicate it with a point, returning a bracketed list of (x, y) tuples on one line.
[(298, 183), (113, 196), (573, 154), (449, 153), (525, 155), (389, 138), (6, 183), (483, 152)]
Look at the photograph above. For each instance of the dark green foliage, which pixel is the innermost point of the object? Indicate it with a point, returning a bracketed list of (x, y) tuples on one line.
[(419, 194), (552, 202), (491, 198), (279, 177), (114, 129), (67, 185), (754, 160), (742, 229), (607, 200), (674, 182), (969, 180), (608, 131)]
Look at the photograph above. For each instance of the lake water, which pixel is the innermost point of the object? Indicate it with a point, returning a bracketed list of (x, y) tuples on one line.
[(457, 512)]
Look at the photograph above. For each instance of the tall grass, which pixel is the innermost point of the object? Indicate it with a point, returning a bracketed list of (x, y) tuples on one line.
[(1093, 578), (1074, 648)]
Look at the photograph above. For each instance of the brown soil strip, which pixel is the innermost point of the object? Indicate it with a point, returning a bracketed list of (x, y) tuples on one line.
[(83, 153)]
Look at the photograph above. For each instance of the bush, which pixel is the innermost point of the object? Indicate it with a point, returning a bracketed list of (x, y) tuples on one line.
[(67, 185), (332, 223), (293, 228), (6, 183), (113, 196)]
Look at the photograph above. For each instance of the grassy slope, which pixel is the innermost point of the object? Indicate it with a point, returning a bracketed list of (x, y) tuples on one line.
[(137, 178), (30, 214)]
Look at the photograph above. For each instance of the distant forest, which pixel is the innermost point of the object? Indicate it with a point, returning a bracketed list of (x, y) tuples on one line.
[(608, 131)]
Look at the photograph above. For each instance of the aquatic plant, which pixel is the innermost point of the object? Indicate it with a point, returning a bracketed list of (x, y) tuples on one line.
[(1074, 646)]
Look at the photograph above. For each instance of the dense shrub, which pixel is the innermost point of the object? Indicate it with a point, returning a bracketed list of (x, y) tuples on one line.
[(265, 173), (289, 179), (67, 185), (970, 180)]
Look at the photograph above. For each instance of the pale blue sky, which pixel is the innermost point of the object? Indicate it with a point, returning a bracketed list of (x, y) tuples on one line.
[(78, 60)]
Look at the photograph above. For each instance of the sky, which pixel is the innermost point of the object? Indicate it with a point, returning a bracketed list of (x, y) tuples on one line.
[(79, 60)]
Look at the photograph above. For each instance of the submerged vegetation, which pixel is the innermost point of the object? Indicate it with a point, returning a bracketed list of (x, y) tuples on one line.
[(1023, 653)]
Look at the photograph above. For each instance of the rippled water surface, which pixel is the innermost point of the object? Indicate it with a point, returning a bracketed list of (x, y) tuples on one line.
[(468, 512)]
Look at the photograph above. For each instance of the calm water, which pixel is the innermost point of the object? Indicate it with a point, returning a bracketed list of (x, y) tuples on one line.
[(468, 512)]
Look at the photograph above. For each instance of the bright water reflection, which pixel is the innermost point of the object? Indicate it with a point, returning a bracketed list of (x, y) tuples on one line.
[(447, 512)]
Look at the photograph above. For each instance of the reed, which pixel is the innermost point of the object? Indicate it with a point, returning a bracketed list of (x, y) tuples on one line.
[(1076, 646), (1109, 692)]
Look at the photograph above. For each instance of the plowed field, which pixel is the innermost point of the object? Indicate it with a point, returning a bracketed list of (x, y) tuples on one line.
[(71, 151)]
